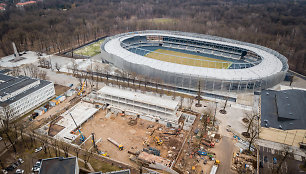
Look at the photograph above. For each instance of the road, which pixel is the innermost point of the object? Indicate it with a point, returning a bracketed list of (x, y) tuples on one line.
[(224, 151)]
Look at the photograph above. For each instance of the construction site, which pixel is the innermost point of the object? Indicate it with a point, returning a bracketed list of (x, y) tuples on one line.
[(143, 130)]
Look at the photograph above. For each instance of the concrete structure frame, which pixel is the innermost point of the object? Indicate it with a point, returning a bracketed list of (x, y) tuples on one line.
[(144, 106)]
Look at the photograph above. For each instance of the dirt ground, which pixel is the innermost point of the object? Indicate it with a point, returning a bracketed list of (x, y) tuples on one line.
[(131, 137), (60, 89)]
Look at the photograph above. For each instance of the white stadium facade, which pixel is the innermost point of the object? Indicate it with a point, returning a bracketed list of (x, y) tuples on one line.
[(228, 65)]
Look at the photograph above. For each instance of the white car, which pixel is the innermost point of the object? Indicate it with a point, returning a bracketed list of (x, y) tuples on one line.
[(20, 160), (19, 171), (38, 149), (0, 138), (36, 169)]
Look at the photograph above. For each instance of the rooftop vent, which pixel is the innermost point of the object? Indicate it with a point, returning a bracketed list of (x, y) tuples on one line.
[(267, 93)]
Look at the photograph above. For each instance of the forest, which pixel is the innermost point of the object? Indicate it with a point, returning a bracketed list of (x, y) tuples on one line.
[(54, 26)]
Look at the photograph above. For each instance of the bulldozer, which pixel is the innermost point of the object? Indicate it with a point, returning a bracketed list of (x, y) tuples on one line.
[(158, 141)]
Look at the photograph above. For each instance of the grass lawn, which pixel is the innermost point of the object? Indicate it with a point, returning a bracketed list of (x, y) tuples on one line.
[(90, 50), (187, 59)]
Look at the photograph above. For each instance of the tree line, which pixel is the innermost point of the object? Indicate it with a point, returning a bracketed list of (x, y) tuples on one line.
[(54, 25)]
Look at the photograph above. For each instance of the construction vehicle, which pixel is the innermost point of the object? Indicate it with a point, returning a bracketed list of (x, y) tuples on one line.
[(202, 153), (82, 138), (120, 146), (158, 141), (96, 147), (82, 88), (215, 167)]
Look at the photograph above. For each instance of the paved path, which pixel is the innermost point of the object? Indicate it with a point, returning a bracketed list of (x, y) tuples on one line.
[(224, 151)]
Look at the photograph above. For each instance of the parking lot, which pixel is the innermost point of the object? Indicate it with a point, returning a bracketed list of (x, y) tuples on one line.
[(270, 159)]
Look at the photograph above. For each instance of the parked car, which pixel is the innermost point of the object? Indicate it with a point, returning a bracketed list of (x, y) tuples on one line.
[(19, 171), (4, 172), (38, 149), (261, 164), (36, 169), (9, 168), (274, 160), (0, 138), (265, 159), (20, 160)]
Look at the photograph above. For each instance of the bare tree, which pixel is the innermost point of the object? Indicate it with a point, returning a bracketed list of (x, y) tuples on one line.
[(6, 114), (223, 111), (65, 147), (249, 120), (286, 152), (77, 151), (57, 66), (91, 79), (87, 156), (74, 67), (254, 133), (107, 70), (16, 71), (97, 70), (42, 75)]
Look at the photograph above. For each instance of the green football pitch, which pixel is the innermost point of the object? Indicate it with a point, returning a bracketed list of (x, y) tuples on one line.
[(188, 59)]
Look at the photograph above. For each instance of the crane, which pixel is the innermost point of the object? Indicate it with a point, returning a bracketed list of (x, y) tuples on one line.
[(82, 88), (82, 138)]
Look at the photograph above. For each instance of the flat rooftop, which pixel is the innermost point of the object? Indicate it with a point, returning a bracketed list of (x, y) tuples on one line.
[(139, 97), (59, 165), (283, 109), (80, 113), (11, 84)]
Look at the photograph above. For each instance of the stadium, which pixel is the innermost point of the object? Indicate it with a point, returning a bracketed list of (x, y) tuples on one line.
[(187, 59)]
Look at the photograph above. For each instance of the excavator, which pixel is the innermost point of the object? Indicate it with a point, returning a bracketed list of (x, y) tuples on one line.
[(157, 140)]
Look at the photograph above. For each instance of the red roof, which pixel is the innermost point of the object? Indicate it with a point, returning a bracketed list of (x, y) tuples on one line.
[(25, 3)]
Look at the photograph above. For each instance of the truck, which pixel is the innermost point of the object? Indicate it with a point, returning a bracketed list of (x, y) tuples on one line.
[(215, 167), (120, 146)]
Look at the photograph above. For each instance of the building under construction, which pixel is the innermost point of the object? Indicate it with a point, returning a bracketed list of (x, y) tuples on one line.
[(144, 106)]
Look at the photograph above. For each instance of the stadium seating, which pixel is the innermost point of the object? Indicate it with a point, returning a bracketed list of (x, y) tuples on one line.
[(142, 46)]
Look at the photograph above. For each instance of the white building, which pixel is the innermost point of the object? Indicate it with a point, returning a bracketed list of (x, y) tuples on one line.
[(19, 95), (144, 106)]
